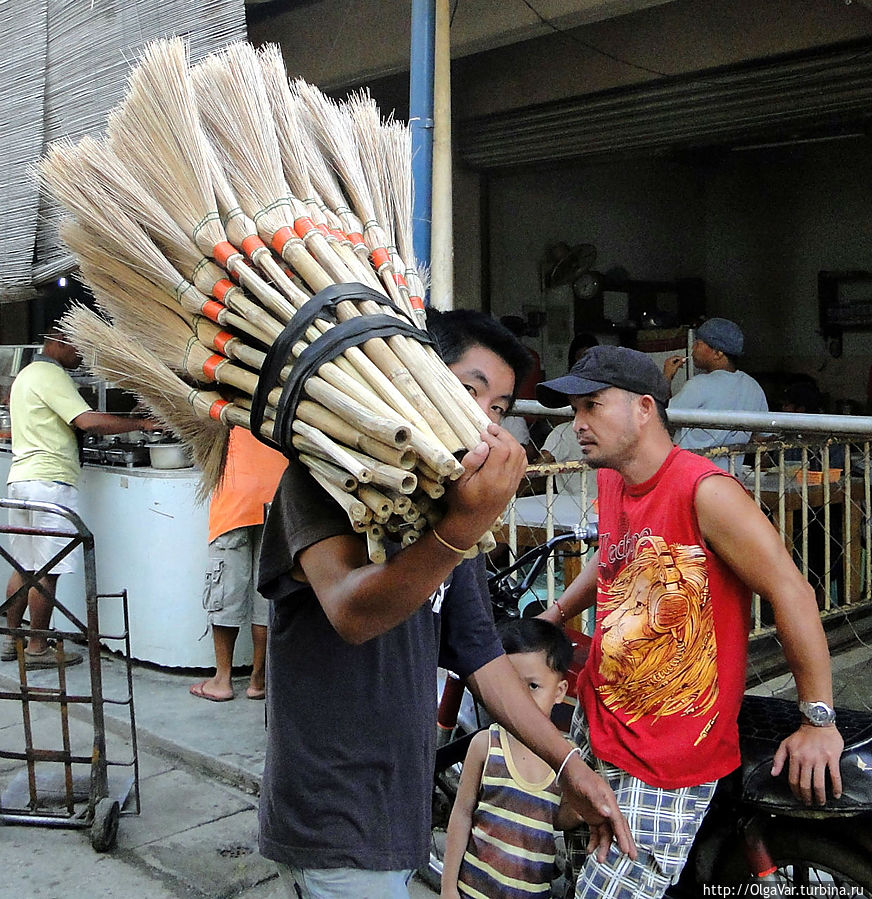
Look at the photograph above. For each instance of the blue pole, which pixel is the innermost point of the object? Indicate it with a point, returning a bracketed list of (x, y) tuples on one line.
[(421, 65)]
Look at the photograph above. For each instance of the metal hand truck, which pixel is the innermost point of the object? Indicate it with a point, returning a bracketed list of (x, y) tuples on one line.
[(58, 786)]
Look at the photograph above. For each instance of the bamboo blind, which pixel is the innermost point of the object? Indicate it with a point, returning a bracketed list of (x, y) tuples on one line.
[(64, 68)]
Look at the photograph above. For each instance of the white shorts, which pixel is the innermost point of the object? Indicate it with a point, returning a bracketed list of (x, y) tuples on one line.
[(32, 551)]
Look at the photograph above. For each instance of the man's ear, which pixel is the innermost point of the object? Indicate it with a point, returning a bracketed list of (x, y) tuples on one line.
[(647, 406)]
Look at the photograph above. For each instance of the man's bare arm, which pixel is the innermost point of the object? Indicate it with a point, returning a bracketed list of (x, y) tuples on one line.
[(736, 529), (364, 600)]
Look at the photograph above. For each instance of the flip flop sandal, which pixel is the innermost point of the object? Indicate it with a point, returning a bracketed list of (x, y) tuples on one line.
[(199, 691), (49, 659)]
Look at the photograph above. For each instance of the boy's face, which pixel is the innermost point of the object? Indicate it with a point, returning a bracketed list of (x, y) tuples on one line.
[(546, 686), (488, 378)]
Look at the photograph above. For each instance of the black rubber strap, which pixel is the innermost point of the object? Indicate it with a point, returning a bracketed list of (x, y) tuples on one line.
[(328, 346)]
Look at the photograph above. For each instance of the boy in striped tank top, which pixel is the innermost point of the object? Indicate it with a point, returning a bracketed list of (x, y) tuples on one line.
[(500, 840)]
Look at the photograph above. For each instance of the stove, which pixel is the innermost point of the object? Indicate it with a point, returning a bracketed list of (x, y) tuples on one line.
[(121, 454)]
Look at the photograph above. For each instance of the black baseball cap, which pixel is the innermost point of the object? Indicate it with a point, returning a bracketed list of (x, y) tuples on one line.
[(606, 366)]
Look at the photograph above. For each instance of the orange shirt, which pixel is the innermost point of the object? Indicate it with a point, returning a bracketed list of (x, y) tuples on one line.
[(250, 479)]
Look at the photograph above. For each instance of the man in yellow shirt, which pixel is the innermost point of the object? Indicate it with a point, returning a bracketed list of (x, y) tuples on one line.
[(46, 410)]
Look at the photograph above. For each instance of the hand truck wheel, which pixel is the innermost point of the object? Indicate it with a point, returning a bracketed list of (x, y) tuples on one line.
[(104, 829)]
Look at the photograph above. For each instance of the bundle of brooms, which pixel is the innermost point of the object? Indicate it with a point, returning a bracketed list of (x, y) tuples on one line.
[(248, 243)]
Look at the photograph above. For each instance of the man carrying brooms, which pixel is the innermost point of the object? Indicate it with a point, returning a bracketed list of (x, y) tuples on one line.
[(352, 656)]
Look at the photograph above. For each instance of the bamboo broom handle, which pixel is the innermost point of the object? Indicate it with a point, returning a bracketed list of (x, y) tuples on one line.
[(242, 233), (354, 508), (193, 300), (199, 363), (373, 375), (432, 488), (424, 443), (443, 463), (410, 537), (358, 365), (396, 478), (339, 429), (342, 479), (375, 547), (385, 358), (341, 244), (428, 472), (210, 280), (463, 413), (422, 358), (401, 503), (375, 500), (211, 335), (346, 407), (309, 440), (288, 244), (318, 246)]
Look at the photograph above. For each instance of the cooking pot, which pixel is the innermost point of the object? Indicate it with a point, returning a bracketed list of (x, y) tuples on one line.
[(169, 455)]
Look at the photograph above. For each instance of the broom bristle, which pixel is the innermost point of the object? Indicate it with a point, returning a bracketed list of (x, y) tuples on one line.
[(106, 223), (284, 115), (101, 164), (120, 359), (365, 125), (156, 131), (332, 130), (396, 174), (231, 116)]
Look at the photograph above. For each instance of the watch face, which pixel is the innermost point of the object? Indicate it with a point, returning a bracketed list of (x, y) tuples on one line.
[(818, 712)]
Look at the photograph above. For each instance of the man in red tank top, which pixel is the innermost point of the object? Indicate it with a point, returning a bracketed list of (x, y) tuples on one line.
[(682, 547)]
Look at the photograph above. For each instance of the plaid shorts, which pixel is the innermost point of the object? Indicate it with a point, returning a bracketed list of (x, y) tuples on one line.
[(664, 824)]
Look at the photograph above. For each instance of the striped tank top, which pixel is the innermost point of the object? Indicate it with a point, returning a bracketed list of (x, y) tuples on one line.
[(511, 850)]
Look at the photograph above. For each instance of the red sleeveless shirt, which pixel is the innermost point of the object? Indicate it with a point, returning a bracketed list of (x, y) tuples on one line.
[(666, 672)]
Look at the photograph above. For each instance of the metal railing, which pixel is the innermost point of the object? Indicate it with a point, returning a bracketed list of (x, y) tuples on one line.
[(810, 474)]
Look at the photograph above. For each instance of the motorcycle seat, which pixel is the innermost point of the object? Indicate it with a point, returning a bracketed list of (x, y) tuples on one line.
[(765, 721)]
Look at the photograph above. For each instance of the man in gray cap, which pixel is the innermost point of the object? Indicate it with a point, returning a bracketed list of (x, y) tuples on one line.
[(718, 386), (681, 548)]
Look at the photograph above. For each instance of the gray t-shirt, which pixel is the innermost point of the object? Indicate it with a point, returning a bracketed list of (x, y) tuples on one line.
[(729, 391), (351, 729)]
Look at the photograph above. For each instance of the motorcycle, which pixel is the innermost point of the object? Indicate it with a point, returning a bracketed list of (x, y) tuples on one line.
[(757, 839)]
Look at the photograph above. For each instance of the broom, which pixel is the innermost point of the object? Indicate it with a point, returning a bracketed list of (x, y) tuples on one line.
[(367, 127), (254, 168), (198, 418), (333, 132), (101, 173), (95, 263), (253, 151), (112, 228), (290, 142), (395, 479), (157, 122), (396, 175), (125, 296), (233, 115)]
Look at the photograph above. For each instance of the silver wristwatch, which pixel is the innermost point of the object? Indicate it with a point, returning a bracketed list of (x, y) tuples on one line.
[(818, 713)]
